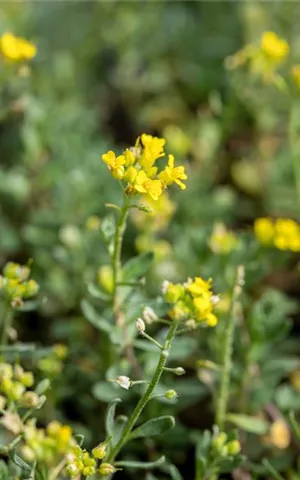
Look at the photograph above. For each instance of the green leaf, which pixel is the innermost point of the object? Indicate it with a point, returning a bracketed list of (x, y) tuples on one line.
[(79, 439), (140, 465), (155, 426), (3, 470), (271, 470), (202, 448), (137, 267), (110, 416), (248, 423), (94, 318), (42, 386), (106, 392), (26, 469), (97, 293)]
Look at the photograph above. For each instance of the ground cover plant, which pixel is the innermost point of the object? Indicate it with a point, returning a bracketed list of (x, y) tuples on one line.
[(150, 239)]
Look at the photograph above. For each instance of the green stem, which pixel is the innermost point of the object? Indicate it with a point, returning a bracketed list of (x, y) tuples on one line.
[(294, 148), (147, 395), (116, 256), (223, 396), (6, 323)]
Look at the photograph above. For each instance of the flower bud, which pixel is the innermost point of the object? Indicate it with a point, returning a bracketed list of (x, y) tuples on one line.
[(30, 400), (219, 441), (88, 471), (93, 223), (140, 325), (179, 371), (105, 278), (99, 452), (27, 379), (124, 382), (233, 447), (149, 315), (72, 470), (170, 394), (106, 469), (31, 288)]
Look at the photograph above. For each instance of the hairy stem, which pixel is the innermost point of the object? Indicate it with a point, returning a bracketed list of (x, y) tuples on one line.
[(6, 324), (147, 395), (294, 147), (223, 395), (116, 256)]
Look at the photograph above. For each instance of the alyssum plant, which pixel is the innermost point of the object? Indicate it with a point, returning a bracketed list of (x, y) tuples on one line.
[(55, 452)]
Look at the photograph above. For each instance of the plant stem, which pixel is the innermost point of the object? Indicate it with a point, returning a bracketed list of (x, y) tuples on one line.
[(116, 256), (294, 148), (222, 400), (6, 323), (147, 395)]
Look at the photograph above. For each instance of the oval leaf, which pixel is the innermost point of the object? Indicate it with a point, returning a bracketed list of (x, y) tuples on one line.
[(248, 423), (137, 267), (141, 465), (153, 427), (110, 416), (94, 318)]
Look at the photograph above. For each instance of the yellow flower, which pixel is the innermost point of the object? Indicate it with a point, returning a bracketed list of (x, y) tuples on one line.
[(274, 47), (203, 306), (295, 73), (173, 174), (115, 164), (16, 48), (144, 184), (198, 286), (222, 240), (153, 149), (129, 157), (264, 230), (287, 235), (279, 434), (93, 223), (105, 278)]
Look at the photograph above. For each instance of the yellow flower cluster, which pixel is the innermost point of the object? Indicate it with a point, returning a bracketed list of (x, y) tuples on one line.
[(264, 58), (80, 462), (47, 445), (283, 233), (15, 284), (137, 168), (16, 48), (14, 382), (222, 241), (192, 301)]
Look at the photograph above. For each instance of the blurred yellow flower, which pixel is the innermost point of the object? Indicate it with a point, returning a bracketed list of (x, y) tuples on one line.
[(279, 434), (283, 233), (274, 47), (16, 48), (264, 230), (295, 73), (222, 241)]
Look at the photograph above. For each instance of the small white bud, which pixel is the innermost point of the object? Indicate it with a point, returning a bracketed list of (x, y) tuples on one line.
[(179, 371), (215, 299), (123, 381), (140, 325), (165, 286), (149, 315)]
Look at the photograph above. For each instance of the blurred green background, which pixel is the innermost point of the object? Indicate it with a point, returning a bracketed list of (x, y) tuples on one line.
[(106, 72)]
